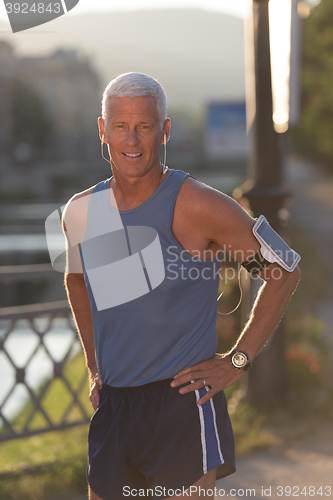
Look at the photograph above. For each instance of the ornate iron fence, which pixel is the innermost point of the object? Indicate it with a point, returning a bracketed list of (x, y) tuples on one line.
[(38, 347)]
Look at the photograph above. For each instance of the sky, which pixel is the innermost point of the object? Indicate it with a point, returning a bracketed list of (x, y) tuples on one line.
[(235, 7)]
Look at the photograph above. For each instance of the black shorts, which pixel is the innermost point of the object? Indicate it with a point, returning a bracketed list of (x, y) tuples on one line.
[(152, 438)]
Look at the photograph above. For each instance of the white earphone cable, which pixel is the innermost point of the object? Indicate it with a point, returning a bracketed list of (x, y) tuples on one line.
[(241, 294)]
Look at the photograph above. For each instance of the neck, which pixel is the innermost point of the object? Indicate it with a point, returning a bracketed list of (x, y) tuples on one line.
[(130, 192)]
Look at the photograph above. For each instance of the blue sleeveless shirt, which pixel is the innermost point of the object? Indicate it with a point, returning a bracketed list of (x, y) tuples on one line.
[(153, 304)]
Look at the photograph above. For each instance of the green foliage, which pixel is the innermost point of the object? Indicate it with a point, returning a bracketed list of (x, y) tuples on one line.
[(250, 429), (314, 277), (314, 134), (308, 362), (307, 354)]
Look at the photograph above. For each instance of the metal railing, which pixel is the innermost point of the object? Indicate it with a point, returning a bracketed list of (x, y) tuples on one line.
[(27, 272), (38, 321)]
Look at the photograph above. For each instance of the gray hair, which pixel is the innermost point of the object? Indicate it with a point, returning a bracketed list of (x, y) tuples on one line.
[(136, 85)]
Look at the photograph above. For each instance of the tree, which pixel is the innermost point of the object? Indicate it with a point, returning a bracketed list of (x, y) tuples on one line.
[(313, 137)]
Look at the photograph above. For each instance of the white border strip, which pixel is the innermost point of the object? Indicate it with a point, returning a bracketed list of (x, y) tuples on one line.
[(203, 435)]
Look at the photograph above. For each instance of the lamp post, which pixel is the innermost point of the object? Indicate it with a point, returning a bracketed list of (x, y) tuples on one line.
[(268, 377)]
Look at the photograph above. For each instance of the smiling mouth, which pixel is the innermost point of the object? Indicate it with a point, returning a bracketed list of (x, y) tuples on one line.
[(132, 155)]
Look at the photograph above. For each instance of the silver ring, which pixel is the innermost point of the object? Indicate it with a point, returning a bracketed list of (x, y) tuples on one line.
[(204, 381)]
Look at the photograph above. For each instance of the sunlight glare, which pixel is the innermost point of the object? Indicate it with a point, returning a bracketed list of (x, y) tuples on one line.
[(280, 31)]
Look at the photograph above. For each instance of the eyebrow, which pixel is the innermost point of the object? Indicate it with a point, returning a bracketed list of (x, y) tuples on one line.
[(139, 123), (150, 123)]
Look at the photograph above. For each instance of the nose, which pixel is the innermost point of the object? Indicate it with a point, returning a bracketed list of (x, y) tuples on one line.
[(132, 138)]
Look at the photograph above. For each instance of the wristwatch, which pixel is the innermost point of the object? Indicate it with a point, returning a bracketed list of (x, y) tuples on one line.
[(239, 360)]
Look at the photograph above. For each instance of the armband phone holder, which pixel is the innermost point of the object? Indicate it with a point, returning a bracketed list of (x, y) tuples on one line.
[(273, 247)]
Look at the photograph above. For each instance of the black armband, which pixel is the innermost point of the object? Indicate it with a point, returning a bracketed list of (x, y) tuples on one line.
[(256, 263)]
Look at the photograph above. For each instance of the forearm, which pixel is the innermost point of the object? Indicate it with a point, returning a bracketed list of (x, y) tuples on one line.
[(268, 309), (218, 372), (79, 302)]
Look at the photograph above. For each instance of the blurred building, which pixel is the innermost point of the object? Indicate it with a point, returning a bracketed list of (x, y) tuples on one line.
[(48, 123), (70, 90)]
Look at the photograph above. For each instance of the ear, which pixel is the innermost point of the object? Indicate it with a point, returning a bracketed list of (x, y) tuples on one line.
[(166, 130), (101, 128)]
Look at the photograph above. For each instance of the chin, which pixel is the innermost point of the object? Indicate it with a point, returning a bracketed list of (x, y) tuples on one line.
[(132, 170), (135, 170)]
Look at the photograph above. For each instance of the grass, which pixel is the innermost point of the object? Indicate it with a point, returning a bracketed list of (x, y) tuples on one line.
[(57, 398), (60, 456)]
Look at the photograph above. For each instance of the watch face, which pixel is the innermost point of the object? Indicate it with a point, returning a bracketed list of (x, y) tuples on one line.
[(239, 360)]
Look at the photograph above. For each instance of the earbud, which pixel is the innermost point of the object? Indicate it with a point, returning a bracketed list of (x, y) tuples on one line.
[(102, 153), (165, 167)]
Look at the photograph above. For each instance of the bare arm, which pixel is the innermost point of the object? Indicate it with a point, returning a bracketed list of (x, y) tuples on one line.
[(270, 304), (79, 300), (223, 223)]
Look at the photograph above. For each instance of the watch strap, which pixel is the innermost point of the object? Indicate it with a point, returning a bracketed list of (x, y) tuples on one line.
[(248, 364)]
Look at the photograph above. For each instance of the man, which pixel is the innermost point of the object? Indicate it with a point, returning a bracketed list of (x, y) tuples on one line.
[(143, 249)]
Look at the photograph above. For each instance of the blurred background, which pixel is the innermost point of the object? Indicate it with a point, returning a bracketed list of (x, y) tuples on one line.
[(249, 88)]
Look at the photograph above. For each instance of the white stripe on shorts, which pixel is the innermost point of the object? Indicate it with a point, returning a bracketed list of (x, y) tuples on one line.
[(203, 435), (216, 431)]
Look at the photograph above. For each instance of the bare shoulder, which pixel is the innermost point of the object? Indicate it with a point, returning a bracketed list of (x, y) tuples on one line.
[(77, 201), (209, 205), (206, 218), (74, 215)]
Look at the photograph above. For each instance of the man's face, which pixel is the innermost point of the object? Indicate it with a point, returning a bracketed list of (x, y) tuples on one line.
[(134, 135)]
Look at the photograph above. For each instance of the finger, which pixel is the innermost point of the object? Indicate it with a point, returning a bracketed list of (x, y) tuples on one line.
[(188, 377), (95, 402), (94, 396), (191, 387), (92, 401), (209, 394)]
